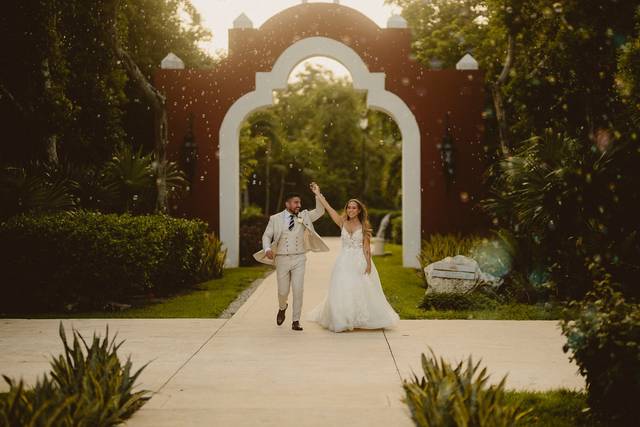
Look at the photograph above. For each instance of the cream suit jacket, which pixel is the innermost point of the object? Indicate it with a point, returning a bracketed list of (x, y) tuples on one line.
[(312, 240)]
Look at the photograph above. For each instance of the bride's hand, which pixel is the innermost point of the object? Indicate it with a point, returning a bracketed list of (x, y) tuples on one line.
[(368, 269), (314, 188)]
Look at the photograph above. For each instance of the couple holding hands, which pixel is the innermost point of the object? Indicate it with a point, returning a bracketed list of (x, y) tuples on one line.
[(355, 299)]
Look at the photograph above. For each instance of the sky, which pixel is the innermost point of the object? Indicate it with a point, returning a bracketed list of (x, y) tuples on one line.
[(218, 16)]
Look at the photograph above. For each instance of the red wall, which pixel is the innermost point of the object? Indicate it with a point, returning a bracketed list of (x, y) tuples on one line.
[(430, 94)]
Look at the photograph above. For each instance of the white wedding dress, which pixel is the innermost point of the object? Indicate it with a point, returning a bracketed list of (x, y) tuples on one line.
[(355, 299)]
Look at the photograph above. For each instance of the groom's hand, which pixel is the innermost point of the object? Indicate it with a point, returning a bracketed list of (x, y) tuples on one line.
[(269, 253)]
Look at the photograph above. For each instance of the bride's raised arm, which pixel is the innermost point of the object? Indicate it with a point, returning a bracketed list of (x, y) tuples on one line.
[(332, 212)]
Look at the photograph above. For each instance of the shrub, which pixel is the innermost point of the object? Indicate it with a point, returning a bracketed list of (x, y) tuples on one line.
[(453, 301), (604, 341), (214, 258), (88, 385), (252, 226), (86, 258), (447, 396), (566, 202)]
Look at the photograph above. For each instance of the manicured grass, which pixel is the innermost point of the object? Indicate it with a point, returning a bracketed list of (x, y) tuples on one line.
[(404, 290), (554, 408), (206, 300)]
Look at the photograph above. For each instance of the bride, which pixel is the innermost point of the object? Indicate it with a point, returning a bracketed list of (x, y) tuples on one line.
[(355, 298)]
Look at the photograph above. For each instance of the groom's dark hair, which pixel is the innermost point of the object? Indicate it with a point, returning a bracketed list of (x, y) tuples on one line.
[(291, 195)]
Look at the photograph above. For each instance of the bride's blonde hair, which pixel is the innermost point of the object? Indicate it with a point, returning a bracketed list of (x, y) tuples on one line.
[(363, 216)]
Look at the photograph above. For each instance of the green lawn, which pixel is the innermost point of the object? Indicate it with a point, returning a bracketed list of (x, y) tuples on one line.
[(404, 290), (554, 408), (207, 300)]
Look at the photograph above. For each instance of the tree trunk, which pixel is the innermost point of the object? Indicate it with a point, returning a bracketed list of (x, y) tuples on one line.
[(498, 101), (281, 192), (157, 102), (52, 146), (245, 199)]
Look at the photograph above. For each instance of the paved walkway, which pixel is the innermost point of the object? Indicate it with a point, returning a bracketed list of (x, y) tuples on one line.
[(246, 371)]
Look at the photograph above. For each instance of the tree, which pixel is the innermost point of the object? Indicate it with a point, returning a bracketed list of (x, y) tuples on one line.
[(76, 81), (313, 133)]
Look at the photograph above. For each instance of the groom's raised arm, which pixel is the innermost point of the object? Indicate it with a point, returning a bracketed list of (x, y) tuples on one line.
[(316, 213)]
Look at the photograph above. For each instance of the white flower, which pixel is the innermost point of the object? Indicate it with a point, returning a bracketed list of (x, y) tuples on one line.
[(300, 220)]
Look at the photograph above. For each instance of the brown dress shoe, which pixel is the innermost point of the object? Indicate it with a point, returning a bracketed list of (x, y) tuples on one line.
[(296, 326), (280, 316)]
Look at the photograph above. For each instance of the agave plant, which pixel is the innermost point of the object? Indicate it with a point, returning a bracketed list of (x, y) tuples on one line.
[(130, 172), (87, 386), (214, 257), (447, 396)]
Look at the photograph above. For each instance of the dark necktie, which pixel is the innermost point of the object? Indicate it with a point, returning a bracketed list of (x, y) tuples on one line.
[(290, 222)]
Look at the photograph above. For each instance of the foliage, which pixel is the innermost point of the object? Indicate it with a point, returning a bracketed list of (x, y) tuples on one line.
[(33, 189), (125, 183), (63, 86), (444, 31), (404, 288), (87, 385), (314, 132), (454, 301), (252, 225), (554, 408), (213, 259), (569, 205), (132, 176), (628, 76), (458, 396), (79, 260), (604, 341)]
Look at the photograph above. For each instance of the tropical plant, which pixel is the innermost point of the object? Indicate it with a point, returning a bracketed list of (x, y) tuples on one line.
[(32, 189), (131, 174), (87, 385), (458, 396), (213, 259), (571, 204)]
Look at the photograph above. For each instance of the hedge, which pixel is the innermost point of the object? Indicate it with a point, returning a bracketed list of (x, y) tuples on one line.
[(84, 259)]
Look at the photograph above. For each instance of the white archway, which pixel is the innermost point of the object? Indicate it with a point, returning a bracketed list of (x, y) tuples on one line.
[(377, 98)]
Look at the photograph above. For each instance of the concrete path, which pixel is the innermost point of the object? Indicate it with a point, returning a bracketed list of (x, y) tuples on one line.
[(246, 371)]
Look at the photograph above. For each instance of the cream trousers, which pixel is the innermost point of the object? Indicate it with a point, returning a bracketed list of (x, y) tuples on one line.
[(290, 274)]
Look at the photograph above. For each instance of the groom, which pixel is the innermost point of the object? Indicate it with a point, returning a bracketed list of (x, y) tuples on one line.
[(289, 235)]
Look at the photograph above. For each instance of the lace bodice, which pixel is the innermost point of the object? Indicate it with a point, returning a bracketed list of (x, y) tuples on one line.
[(352, 241)]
